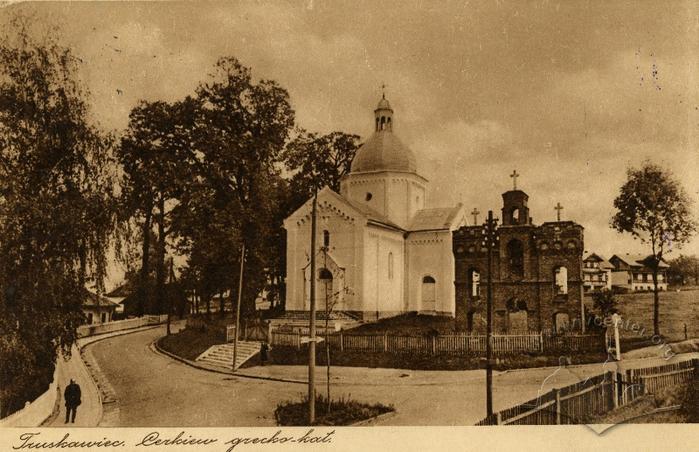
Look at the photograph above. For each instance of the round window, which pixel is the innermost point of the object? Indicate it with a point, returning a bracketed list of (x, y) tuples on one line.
[(368, 196)]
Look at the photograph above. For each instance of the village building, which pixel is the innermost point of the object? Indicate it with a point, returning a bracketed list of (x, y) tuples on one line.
[(597, 273), (98, 309), (382, 249), (536, 272), (632, 274)]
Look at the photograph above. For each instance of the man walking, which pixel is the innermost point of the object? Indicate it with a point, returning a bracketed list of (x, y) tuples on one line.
[(72, 398)]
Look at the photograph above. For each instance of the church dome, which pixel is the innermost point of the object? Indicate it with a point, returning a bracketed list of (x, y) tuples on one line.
[(384, 151)]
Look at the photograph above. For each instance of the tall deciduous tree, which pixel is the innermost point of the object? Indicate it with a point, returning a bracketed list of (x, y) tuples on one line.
[(653, 207), (56, 207), (316, 161), (243, 127), (157, 154)]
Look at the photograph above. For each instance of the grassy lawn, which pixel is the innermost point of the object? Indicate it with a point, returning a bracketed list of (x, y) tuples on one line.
[(411, 324), (190, 343), (291, 356), (676, 310), (340, 412), (687, 396)]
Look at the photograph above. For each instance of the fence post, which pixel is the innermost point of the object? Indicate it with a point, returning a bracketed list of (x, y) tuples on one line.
[(342, 341), (557, 393), (498, 418), (434, 345), (541, 341), (385, 342), (298, 339), (269, 333)]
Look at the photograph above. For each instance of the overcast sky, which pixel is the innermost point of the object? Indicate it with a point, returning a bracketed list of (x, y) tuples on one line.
[(567, 93)]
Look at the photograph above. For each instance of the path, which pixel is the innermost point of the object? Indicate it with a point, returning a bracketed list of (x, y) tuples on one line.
[(155, 390)]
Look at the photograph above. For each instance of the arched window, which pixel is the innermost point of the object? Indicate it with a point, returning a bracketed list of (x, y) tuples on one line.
[(515, 255), (560, 280), (515, 216), (561, 322), (325, 293), (390, 265), (474, 281), (326, 239), (324, 275)]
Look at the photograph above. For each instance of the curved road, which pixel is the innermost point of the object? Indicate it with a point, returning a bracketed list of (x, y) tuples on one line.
[(155, 390)]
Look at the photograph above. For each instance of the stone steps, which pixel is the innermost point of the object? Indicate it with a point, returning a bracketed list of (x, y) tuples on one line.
[(221, 355)]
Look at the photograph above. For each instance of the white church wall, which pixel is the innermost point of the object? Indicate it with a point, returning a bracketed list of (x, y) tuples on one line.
[(345, 249), (430, 254), (406, 192), (383, 282), (366, 189)]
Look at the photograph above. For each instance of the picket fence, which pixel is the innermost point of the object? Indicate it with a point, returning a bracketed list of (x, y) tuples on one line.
[(577, 403), (451, 344)]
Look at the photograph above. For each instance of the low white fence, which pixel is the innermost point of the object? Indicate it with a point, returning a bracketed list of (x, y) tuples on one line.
[(108, 327), (36, 412)]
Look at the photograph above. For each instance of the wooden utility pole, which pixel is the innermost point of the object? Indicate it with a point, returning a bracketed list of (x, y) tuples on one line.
[(490, 240), (312, 326), (237, 309)]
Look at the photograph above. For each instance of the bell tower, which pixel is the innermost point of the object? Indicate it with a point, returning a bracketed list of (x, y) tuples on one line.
[(514, 205)]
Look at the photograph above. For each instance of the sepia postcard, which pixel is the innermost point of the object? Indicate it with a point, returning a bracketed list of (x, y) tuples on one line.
[(349, 225)]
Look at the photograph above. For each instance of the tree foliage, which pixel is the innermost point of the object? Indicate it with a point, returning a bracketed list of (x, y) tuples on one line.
[(653, 207), (683, 270), (56, 207)]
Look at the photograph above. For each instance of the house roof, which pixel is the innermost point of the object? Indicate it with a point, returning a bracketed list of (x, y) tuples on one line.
[(603, 263), (383, 151), (92, 299), (636, 260), (434, 219)]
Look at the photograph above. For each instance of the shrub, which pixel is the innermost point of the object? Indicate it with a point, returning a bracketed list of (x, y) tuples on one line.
[(341, 411)]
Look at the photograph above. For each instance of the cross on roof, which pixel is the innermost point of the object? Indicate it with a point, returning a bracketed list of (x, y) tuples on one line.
[(383, 90), (475, 213), (514, 177), (558, 209)]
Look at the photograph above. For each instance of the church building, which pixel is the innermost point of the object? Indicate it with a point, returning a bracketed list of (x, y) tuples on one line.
[(381, 249), (536, 272)]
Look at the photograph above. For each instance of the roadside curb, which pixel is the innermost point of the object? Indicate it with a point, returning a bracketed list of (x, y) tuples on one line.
[(155, 347), (370, 421), (81, 344)]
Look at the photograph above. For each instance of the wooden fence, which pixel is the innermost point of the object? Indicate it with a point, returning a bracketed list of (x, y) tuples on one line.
[(576, 403), (452, 344)]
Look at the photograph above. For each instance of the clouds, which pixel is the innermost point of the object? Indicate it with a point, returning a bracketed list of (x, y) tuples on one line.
[(569, 93)]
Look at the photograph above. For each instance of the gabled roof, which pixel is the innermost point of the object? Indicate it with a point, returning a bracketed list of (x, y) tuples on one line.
[(368, 213), (636, 260), (434, 219), (92, 299), (603, 263), (372, 215)]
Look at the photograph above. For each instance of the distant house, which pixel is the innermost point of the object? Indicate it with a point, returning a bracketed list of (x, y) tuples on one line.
[(632, 274), (597, 273), (98, 309)]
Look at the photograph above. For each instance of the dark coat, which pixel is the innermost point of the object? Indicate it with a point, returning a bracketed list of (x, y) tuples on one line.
[(72, 395)]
